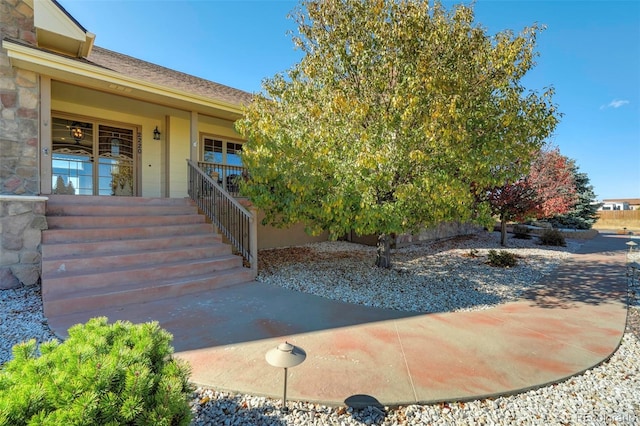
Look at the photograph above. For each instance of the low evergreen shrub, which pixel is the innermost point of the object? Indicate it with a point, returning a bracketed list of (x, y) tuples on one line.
[(118, 374), (552, 237), (522, 232), (502, 259)]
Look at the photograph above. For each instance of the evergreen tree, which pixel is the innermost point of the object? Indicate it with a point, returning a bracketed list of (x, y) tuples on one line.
[(583, 215), (60, 187), (70, 189)]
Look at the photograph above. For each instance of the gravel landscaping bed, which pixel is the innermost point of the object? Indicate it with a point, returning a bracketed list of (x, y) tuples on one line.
[(446, 275)]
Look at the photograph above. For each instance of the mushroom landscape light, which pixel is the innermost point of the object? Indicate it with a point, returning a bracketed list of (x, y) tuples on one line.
[(285, 356)]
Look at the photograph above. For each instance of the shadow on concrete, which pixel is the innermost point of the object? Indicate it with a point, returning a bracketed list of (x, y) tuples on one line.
[(577, 281)]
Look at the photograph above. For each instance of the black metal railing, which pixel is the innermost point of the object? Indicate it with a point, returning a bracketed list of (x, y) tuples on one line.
[(228, 177), (234, 221)]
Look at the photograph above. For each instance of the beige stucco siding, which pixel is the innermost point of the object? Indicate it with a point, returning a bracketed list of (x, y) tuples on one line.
[(64, 101), (179, 151), (162, 162), (272, 237), (219, 127)]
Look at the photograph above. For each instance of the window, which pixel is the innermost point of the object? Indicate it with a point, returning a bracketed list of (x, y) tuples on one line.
[(222, 152), (233, 154)]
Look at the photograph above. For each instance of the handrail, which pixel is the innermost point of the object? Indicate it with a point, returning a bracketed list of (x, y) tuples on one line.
[(234, 221), (226, 175)]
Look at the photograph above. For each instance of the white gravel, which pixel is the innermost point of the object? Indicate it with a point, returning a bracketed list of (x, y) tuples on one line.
[(606, 395), (448, 275)]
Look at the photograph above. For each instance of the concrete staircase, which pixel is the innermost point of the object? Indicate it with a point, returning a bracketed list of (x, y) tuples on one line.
[(105, 252)]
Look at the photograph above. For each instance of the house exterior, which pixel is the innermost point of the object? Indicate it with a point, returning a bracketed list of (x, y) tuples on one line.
[(79, 119), (621, 204)]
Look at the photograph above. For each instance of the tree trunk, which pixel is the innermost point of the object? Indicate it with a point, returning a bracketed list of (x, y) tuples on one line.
[(383, 254), (503, 232)]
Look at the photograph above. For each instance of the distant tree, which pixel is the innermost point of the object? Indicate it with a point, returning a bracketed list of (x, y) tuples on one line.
[(70, 189), (60, 187), (547, 190), (552, 178), (513, 201), (396, 117), (584, 213)]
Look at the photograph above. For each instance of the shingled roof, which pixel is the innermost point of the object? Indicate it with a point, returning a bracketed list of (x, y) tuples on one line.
[(631, 201), (152, 73)]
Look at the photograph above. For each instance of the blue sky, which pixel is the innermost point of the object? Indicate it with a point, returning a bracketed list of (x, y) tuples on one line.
[(590, 54)]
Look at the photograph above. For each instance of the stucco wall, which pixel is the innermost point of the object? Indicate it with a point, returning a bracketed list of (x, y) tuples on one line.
[(89, 103), (179, 130), (272, 237), (443, 230)]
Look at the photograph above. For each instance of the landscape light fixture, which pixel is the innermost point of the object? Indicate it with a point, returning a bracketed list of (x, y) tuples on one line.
[(631, 245), (285, 356), (156, 134)]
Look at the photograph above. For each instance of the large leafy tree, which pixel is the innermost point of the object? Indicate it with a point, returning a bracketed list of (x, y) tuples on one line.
[(395, 118), (547, 190)]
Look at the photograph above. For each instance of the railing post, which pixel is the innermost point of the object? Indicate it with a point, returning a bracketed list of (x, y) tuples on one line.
[(253, 240)]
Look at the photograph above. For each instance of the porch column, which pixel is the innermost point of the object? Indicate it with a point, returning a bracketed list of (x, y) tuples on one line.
[(194, 136), (45, 135)]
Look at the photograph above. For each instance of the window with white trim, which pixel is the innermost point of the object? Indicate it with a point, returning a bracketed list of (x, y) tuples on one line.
[(222, 152)]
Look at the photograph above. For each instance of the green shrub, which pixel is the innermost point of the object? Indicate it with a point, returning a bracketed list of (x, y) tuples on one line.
[(552, 237), (119, 374), (502, 259), (521, 232)]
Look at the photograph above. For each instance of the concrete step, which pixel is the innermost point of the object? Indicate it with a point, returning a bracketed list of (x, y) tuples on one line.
[(85, 222), (117, 210), (143, 292), (99, 248), (114, 251), (62, 284), (53, 266), (56, 199), (51, 236)]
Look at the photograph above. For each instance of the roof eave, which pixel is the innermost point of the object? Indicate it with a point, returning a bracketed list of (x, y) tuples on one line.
[(89, 75)]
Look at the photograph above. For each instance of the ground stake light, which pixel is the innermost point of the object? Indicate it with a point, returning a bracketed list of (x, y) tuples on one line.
[(285, 356)]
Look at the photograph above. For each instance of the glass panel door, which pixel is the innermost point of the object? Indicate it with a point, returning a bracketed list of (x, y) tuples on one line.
[(115, 161), (72, 157), (84, 163)]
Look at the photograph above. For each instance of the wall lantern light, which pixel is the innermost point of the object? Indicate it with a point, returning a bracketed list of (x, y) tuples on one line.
[(76, 132), (285, 356), (156, 134)]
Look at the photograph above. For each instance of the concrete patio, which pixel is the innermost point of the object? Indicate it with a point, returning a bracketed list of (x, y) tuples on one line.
[(568, 323)]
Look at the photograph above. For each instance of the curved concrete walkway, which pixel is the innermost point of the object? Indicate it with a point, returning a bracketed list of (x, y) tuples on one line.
[(571, 322)]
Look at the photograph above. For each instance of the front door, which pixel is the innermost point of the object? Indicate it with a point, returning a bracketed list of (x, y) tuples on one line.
[(92, 158)]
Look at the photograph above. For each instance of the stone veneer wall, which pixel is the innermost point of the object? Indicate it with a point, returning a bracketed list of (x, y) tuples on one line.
[(21, 211), (22, 219), (19, 106)]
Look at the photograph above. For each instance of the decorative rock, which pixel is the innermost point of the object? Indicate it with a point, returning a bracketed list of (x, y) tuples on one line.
[(27, 274), (607, 394), (8, 280)]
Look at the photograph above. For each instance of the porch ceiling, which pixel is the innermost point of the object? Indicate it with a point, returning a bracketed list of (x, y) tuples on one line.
[(83, 73)]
